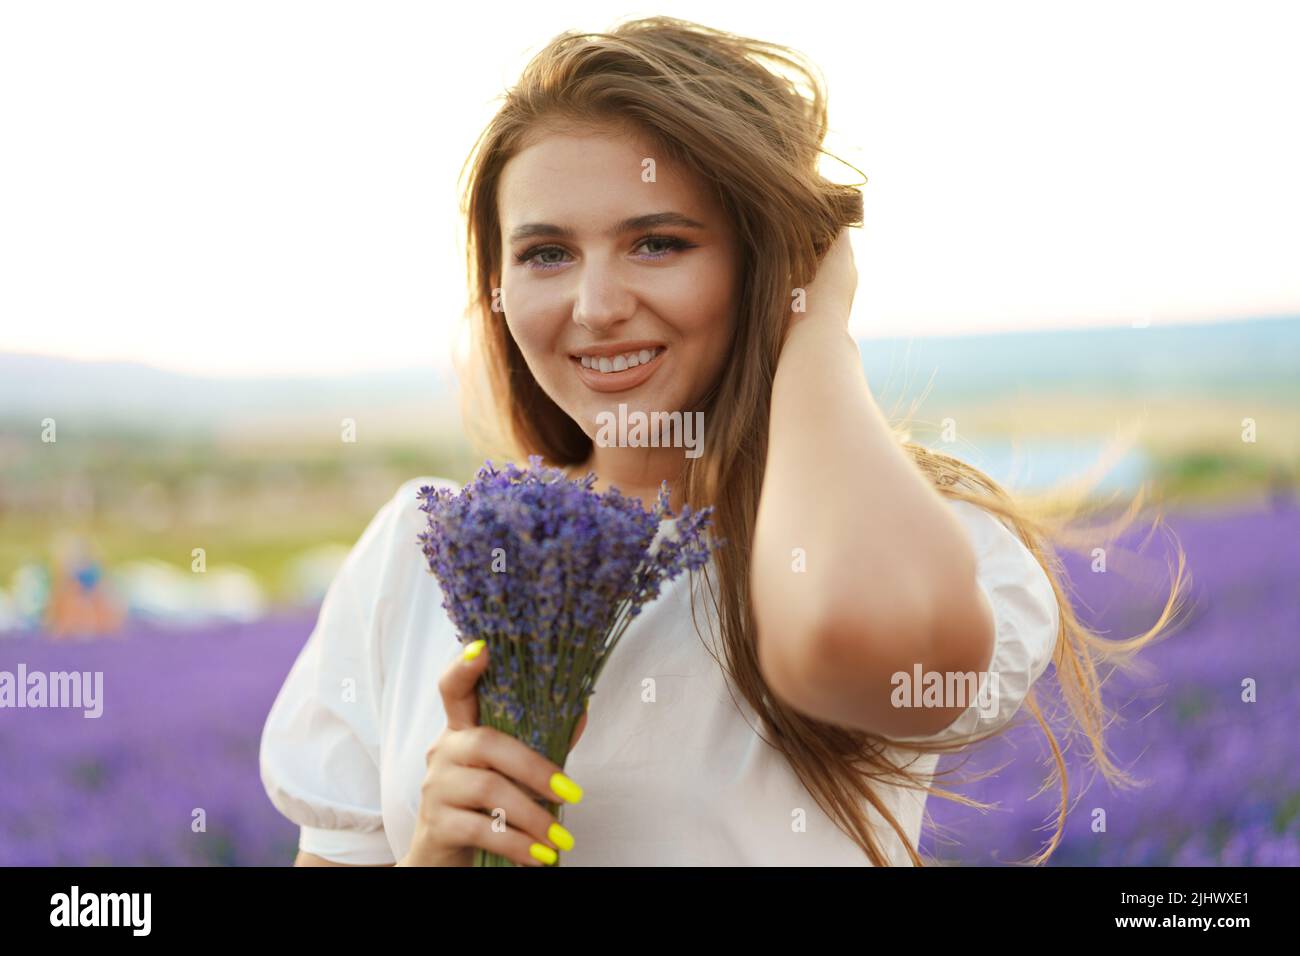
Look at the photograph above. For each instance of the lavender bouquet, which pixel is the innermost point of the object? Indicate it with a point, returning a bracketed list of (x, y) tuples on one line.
[(550, 574)]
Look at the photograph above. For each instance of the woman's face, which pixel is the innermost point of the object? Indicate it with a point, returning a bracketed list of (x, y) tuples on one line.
[(593, 281)]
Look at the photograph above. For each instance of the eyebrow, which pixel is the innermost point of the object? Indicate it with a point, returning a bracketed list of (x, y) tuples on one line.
[(649, 221)]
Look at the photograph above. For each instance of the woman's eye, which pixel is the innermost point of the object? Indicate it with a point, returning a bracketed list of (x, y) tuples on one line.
[(543, 251), (669, 244), (668, 241)]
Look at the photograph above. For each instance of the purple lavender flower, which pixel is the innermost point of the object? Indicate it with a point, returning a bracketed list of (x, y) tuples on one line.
[(550, 574)]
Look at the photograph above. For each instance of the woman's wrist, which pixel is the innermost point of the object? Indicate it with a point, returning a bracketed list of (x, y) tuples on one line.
[(831, 331)]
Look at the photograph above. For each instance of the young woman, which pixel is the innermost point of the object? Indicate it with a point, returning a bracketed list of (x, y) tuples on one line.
[(647, 227)]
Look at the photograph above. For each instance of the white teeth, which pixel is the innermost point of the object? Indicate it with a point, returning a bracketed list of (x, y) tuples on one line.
[(619, 363)]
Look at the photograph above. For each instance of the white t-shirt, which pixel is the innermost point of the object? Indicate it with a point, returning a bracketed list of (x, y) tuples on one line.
[(680, 779)]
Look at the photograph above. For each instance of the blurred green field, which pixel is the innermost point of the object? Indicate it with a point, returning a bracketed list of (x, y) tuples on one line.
[(260, 504), (138, 498)]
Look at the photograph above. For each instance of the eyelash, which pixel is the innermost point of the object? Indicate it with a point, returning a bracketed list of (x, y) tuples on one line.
[(673, 242)]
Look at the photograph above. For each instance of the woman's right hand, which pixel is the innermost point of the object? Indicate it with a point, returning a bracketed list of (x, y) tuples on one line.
[(472, 769)]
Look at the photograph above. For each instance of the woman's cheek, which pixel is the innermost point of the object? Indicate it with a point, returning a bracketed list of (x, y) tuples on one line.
[(523, 326)]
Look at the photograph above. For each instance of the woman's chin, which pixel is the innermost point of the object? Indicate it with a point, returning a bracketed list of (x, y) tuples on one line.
[(595, 410)]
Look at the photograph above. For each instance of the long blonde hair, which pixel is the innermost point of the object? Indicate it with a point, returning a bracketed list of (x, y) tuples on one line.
[(709, 100)]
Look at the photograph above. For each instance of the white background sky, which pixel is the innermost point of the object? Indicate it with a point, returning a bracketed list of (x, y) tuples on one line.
[(270, 187)]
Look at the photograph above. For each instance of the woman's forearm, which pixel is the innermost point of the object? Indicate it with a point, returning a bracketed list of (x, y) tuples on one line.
[(859, 569)]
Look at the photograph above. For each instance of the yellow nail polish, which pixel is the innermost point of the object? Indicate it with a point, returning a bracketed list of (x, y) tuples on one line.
[(587, 706), (543, 854), (473, 650), (560, 837), (566, 788)]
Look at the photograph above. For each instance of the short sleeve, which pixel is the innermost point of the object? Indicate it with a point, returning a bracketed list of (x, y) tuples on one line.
[(1026, 614), (320, 746)]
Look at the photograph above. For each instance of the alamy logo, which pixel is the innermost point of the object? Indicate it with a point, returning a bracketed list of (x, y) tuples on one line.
[(655, 430), (102, 909), (946, 689), (56, 689)]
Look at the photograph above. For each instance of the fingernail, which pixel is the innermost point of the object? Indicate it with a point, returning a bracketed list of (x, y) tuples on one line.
[(474, 650), (560, 837), (543, 854), (566, 788), (587, 704)]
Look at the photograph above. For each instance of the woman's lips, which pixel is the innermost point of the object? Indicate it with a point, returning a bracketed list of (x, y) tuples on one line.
[(617, 381)]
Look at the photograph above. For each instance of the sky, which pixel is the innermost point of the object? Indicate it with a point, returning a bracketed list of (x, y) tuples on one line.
[(252, 188)]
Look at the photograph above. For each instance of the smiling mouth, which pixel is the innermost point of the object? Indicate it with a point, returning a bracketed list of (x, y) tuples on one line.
[(626, 378), (614, 364)]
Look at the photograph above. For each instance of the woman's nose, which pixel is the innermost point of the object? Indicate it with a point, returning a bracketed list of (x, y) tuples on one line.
[(601, 299)]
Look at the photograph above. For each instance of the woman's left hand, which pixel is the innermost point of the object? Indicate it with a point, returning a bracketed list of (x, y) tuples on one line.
[(829, 297)]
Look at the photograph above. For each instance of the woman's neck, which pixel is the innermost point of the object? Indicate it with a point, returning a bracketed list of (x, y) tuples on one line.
[(637, 473)]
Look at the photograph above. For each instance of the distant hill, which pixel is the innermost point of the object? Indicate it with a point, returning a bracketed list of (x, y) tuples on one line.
[(133, 395), (1247, 355), (1251, 355)]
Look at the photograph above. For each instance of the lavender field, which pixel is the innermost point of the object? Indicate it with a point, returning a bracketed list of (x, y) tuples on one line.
[(1222, 776), (183, 713), (180, 729)]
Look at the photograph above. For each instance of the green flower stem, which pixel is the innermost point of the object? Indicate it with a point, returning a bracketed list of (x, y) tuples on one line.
[(557, 750)]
